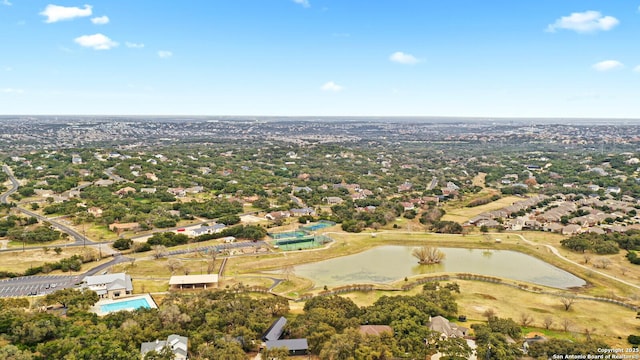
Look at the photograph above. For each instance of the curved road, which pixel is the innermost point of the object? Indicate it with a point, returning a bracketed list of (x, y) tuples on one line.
[(4, 198), (79, 239)]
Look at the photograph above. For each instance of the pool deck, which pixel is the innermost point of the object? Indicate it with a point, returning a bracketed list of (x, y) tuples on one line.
[(97, 308)]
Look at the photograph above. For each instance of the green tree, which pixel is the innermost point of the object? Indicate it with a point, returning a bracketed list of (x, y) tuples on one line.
[(275, 353), (82, 299), (164, 354)]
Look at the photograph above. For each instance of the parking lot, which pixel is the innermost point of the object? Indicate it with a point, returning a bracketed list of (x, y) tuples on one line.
[(36, 285)]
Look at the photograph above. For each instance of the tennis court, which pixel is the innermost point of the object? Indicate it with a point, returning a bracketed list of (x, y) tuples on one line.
[(319, 225)]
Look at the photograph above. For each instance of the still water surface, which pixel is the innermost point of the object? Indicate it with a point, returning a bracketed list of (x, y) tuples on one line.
[(386, 264)]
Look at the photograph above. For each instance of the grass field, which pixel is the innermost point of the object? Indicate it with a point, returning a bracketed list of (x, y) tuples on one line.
[(478, 180), (21, 261), (461, 214), (612, 323)]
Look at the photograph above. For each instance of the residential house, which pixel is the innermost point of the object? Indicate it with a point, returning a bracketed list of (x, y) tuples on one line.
[(446, 328), (376, 330), (213, 229), (95, 211), (553, 227), (333, 200), (194, 189), (302, 212), (571, 229), (302, 188), (148, 190), (613, 190), (277, 215), (178, 345), (76, 159), (407, 186), (104, 182), (122, 227), (109, 286), (177, 192), (408, 206), (126, 190), (43, 193)]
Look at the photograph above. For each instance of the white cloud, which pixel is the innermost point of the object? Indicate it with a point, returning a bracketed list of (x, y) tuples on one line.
[(6, 3), (11, 91), (100, 20), (584, 22), (8, 68), (607, 65), (331, 86), (636, 69), (304, 3), (96, 42), (163, 54), (134, 45), (402, 58), (55, 13)]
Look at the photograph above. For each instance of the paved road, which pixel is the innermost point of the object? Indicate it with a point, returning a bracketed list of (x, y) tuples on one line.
[(79, 239), (114, 177), (4, 198)]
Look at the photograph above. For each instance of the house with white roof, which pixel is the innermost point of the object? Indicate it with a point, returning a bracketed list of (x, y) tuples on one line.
[(109, 286), (178, 345)]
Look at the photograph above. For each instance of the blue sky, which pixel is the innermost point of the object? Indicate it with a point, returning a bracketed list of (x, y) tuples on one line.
[(498, 58)]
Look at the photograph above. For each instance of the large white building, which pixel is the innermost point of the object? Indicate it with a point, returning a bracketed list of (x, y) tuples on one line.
[(109, 286)]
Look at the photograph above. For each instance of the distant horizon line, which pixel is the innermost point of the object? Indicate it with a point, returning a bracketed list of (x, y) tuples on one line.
[(333, 116)]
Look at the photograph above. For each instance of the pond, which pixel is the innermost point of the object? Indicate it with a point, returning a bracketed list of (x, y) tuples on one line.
[(386, 264)]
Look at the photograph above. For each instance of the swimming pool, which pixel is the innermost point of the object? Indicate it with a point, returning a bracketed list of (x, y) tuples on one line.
[(131, 304)]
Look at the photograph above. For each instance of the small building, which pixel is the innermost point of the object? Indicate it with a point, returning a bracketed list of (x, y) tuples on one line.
[(178, 345), (181, 282), (272, 339), (213, 229), (295, 346), (122, 227), (109, 286), (274, 332)]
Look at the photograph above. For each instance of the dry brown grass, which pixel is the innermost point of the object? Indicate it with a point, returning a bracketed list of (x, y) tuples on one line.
[(18, 261), (478, 180), (458, 213), (610, 321)]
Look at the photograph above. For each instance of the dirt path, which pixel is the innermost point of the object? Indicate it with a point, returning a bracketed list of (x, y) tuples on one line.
[(557, 253)]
